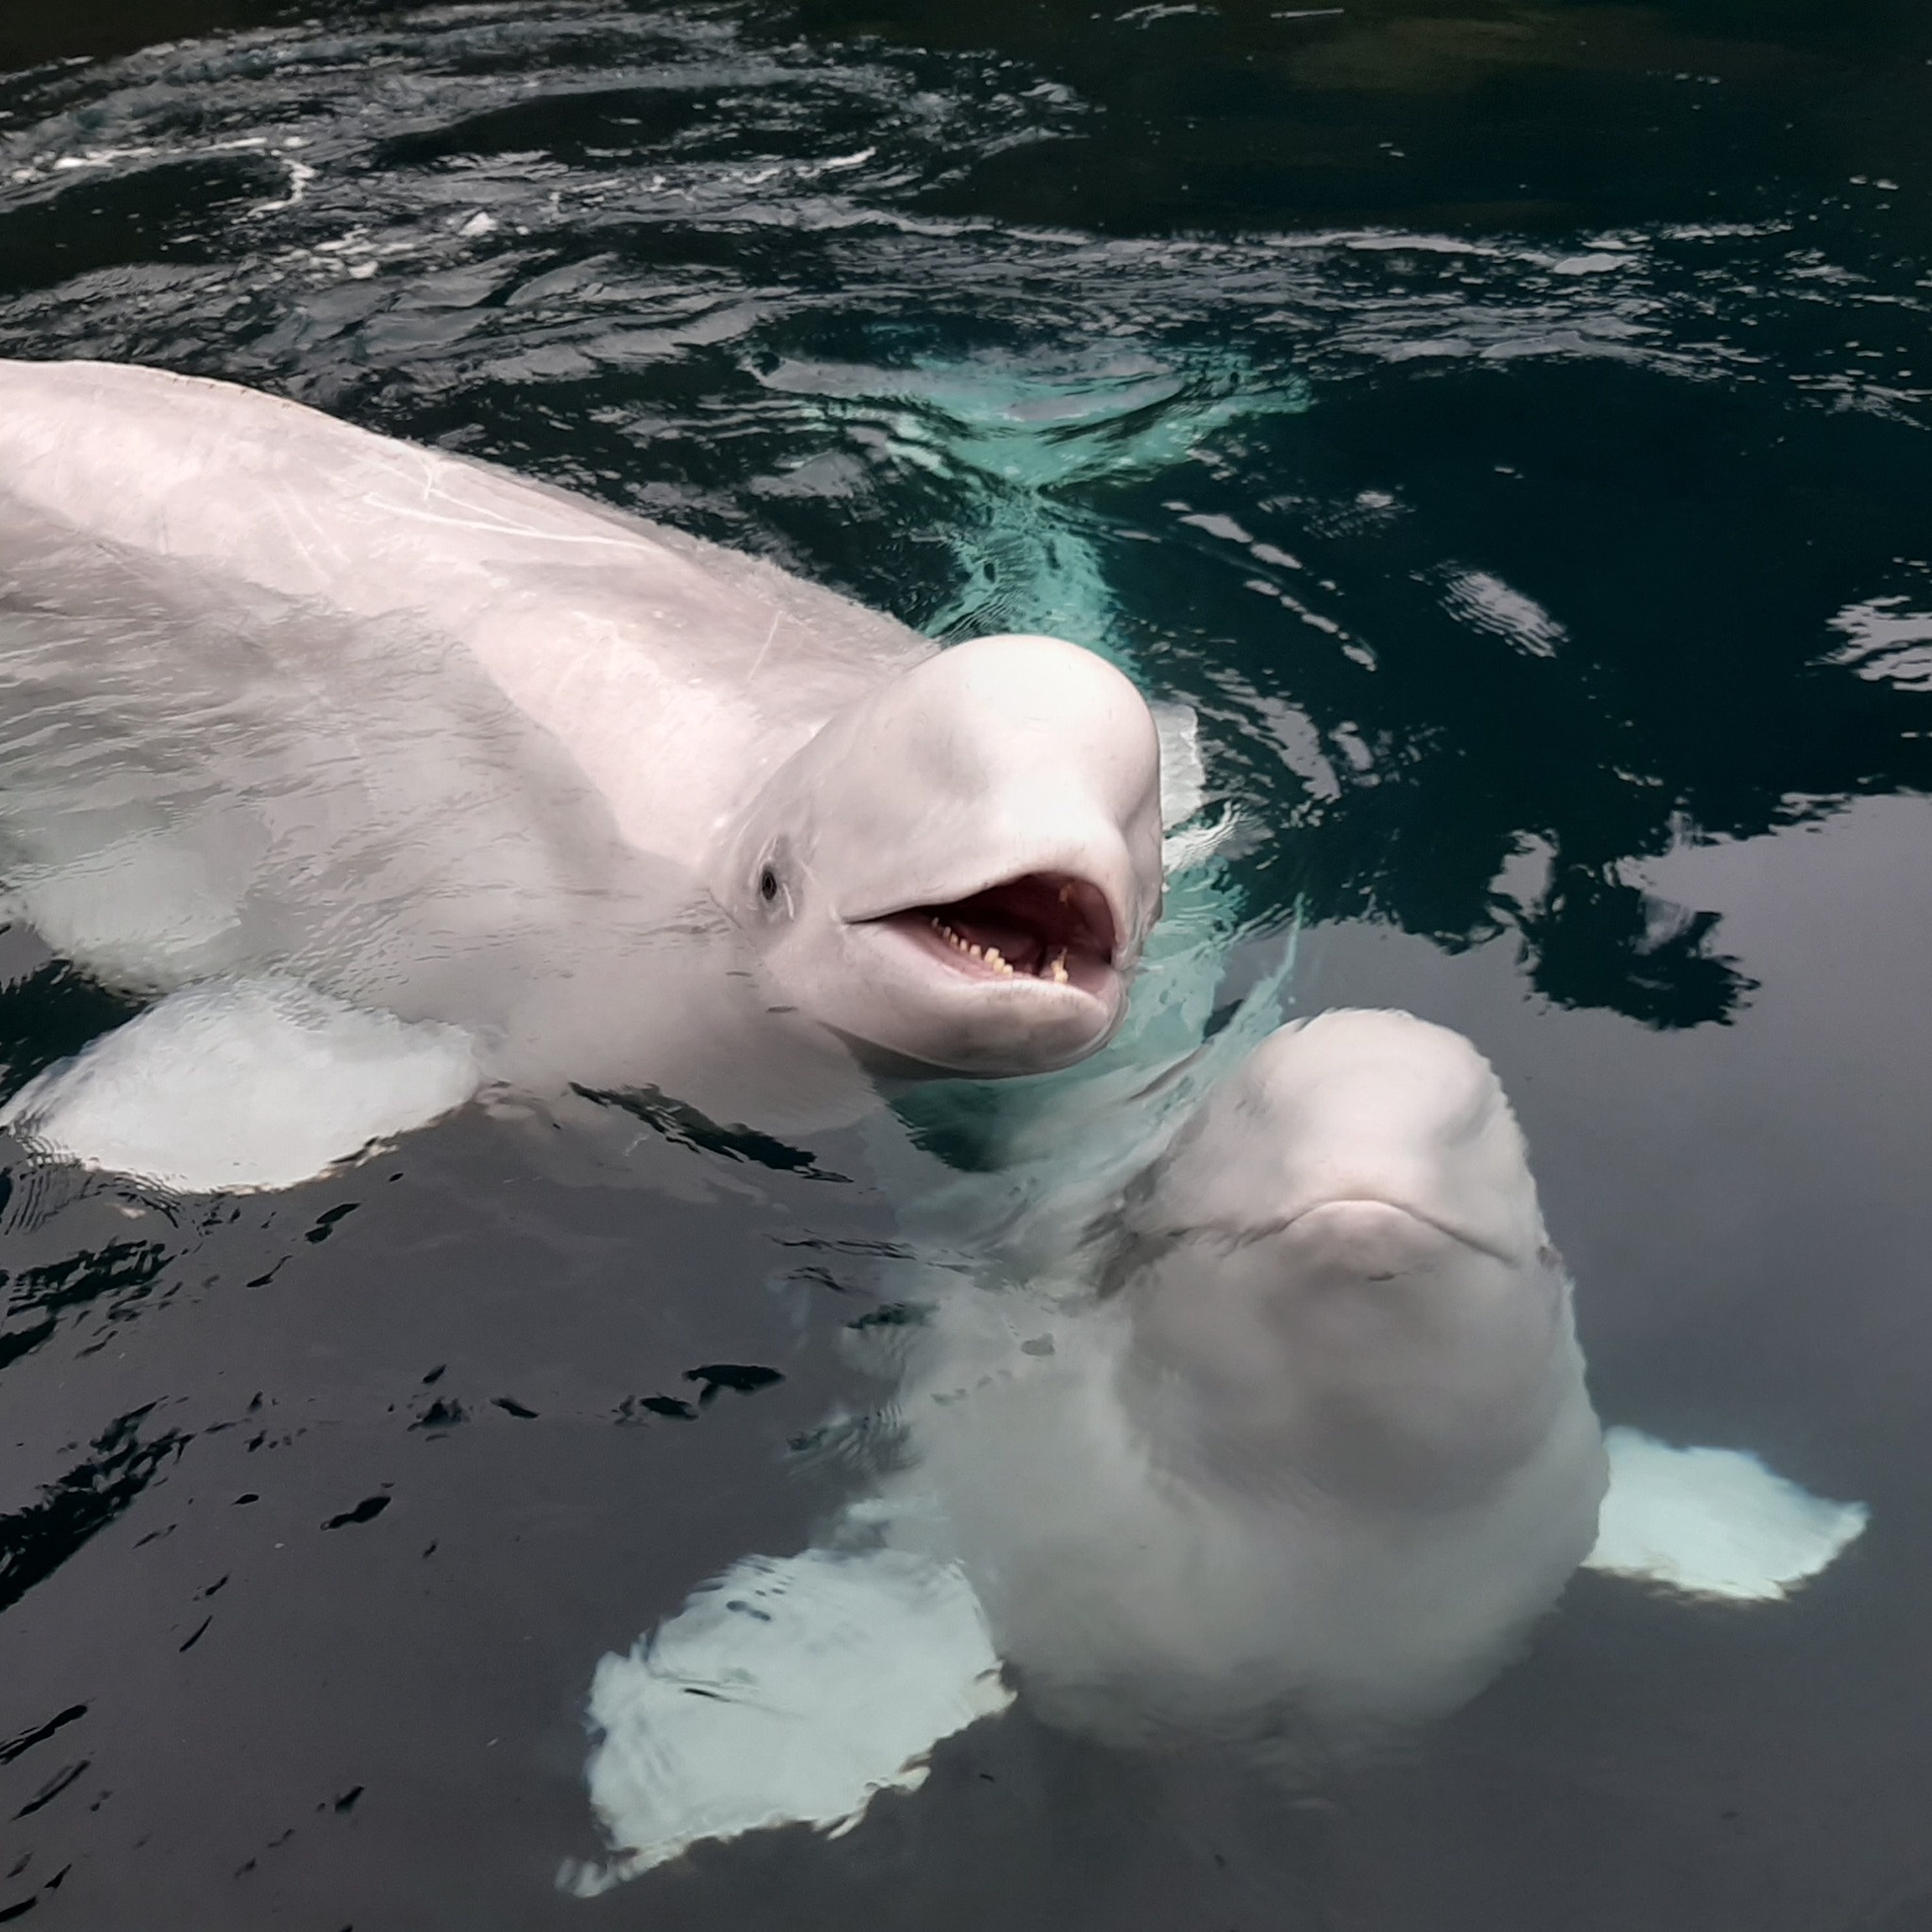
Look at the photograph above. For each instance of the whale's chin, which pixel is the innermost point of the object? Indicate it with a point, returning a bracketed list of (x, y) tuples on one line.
[(931, 1020)]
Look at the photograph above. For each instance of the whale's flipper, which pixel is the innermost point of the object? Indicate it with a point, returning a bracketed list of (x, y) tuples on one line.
[(788, 1690), (240, 1084), (1714, 1522)]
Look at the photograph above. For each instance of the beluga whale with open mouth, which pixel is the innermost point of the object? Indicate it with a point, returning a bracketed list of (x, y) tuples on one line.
[(387, 774)]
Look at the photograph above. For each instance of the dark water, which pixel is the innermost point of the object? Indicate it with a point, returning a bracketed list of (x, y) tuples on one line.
[(1507, 425)]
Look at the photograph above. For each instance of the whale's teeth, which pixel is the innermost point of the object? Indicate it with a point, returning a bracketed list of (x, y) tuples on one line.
[(1059, 967), (959, 943)]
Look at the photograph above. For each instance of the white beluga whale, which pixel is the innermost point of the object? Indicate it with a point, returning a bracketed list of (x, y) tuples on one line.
[(1287, 1455), (1287, 1444), (279, 697), (1320, 1442)]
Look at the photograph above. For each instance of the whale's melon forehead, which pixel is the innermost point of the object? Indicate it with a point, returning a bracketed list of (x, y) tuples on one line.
[(1375, 1070), (1027, 671), (1028, 713), (998, 762), (977, 725), (1365, 1107)]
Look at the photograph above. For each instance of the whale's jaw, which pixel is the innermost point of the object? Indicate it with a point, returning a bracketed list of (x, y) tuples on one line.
[(1023, 975)]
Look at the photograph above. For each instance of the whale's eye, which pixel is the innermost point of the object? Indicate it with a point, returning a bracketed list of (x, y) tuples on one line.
[(768, 885)]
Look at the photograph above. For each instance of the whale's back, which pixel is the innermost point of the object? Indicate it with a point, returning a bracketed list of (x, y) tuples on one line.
[(674, 672)]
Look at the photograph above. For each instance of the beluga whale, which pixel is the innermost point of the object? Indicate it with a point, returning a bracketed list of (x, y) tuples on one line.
[(1278, 1443), (1263, 1432), (1309, 1387), (311, 735)]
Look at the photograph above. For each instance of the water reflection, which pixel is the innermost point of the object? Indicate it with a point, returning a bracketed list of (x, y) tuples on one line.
[(38, 1538)]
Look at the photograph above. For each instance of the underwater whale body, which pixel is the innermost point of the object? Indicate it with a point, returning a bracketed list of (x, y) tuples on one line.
[(1312, 1394), (305, 731), (1290, 1450), (1284, 1455)]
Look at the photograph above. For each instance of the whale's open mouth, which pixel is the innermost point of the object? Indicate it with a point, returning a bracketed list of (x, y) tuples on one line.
[(1044, 925)]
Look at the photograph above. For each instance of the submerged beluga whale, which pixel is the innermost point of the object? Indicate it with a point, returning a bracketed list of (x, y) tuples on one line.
[(308, 731), (1320, 1442), (1283, 1452)]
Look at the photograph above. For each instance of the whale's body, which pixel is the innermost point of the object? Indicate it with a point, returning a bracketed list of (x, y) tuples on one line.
[(282, 697), (1297, 1446), (679, 673), (1286, 1452)]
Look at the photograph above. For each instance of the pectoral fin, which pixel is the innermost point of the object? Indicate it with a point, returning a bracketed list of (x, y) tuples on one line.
[(242, 1084), (788, 1691), (1714, 1522)]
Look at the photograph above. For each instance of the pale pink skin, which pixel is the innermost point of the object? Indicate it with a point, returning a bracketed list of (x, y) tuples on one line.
[(826, 776)]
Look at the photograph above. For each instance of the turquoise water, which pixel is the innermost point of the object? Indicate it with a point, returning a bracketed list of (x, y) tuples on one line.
[(1507, 426)]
